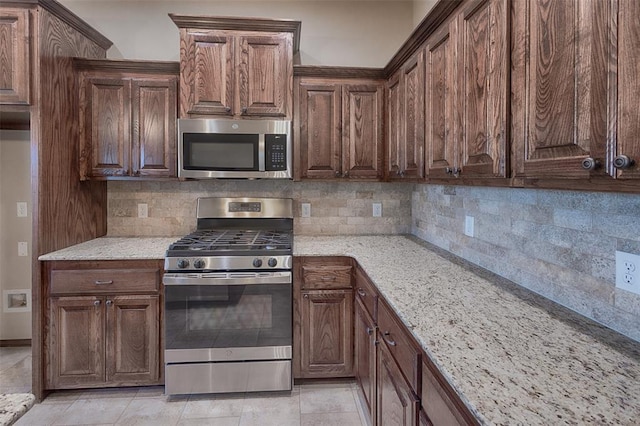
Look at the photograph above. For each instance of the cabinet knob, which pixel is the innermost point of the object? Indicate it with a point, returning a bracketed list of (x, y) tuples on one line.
[(109, 302), (228, 109), (590, 163), (345, 174), (337, 173), (402, 174), (306, 296), (369, 331), (389, 341), (361, 292), (96, 303), (455, 171), (623, 162), (244, 110)]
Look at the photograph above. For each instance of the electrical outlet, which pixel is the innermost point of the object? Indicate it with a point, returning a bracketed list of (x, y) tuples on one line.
[(469, 224), (306, 209), (22, 209), (143, 210), (22, 248), (628, 271), (377, 210)]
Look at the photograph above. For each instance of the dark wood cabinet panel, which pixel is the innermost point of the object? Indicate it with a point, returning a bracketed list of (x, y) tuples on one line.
[(15, 65), (319, 129), (628, 131), (75, 348), (154, 112), (397, 405), (394, 125), (484, 76), (362, 137), (365, 357), (327, 333), (441, 117), (563, 80), (132, 339), (266, 75), (413, 118)]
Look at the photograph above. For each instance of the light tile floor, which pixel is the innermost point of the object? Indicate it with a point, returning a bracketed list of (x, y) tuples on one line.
[(318, 403)]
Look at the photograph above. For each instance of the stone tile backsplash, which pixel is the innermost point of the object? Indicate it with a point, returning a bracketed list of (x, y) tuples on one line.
[(337, 208), (560, 244)]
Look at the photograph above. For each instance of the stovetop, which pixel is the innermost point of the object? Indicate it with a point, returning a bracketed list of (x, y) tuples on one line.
[(219, 242)]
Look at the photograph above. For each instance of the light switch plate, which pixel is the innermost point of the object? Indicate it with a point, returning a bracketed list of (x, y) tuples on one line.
[(628, 271), (22, 209), (377, 210), (23, 248), (306, 209), (469, 225)]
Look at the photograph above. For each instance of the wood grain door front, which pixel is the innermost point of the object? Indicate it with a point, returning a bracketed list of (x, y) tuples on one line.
[(320, 147), (14, 56), (207, 77), (265, 77), (362, 116), (132, 339), (108, 121), (154, 127), (75, 342), (413, 118), (563, 86), (327, 333), (365, 357), (397, 404), (395, 157)]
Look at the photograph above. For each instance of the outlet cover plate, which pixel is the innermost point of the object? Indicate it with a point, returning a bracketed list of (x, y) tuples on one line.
[(469, 225), (143, 210), (628, 271), (377, 210), (306, 209), (22, 209)]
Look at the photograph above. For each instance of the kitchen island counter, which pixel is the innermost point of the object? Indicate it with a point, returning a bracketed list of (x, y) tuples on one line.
[(513, 356)]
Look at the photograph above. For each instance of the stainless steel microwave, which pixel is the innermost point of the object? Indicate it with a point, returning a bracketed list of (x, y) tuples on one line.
[(236, 149)]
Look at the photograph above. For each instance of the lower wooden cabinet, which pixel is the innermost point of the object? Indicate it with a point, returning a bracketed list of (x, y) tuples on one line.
[(103, 324), (397, 405), (365, 357)]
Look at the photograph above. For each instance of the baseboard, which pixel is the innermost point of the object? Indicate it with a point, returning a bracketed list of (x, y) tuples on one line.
[(15, 342)]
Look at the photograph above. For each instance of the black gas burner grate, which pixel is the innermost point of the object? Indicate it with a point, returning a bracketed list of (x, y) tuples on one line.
[(218, 240)]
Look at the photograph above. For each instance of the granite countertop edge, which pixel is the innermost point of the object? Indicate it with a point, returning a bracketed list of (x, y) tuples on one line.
[(470, 322)]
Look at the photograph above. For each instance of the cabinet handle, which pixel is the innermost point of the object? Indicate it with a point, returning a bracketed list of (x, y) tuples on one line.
[(328, 278), (455, 171), (590, 163), (389, 342), (98, 282), (244, 110), (345, 174), (369, 331), (109, 302), (228, 109), (362, 293), (402, 174), (337, 173), (96, 303), (623, 162)]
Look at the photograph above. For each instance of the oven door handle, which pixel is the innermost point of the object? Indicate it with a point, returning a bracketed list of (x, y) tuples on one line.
[(227, 278)]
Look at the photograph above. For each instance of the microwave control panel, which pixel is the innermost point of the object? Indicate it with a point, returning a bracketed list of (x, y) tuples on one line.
[(275, 152)]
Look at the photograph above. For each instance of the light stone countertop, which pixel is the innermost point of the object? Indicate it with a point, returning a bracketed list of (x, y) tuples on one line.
[(514, 357)]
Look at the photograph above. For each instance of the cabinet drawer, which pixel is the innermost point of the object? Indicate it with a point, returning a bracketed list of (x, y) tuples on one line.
[(104, 281), (366, 294), (400, 345), (326, 273)]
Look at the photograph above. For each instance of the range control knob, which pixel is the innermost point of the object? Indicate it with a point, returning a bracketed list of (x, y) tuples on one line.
[(183, 263), (257, 262), (198, 263), (273, 262)]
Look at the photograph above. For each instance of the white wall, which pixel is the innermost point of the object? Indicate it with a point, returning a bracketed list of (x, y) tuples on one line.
[(347, 33), (15, 185)]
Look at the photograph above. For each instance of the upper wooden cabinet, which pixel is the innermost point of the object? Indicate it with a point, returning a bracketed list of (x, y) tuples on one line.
[(236, 67), (15, 65), (566, 91), (405, 121), (338, 127), (127, 116), (467, 93)]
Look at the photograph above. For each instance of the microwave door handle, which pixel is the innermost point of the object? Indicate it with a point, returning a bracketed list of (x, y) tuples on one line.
[(261, 153)]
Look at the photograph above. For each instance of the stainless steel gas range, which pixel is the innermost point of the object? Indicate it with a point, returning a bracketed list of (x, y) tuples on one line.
[(228, 299)]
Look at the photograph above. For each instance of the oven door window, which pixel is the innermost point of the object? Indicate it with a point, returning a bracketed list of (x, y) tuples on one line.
[(223, 316), (220, 151)]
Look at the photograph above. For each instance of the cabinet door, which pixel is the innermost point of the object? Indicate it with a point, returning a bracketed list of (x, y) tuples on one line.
[(14, 56), (265, 75), (365, 357), (106, 114), (132, 340), (75, 342), (320, 148), (397, 405), (362, 115), (413, 118), (628, 139), (441, 117), (327, 333), (484, 68), (394, 125), (154, 127), (563, 79), (207, 79)]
